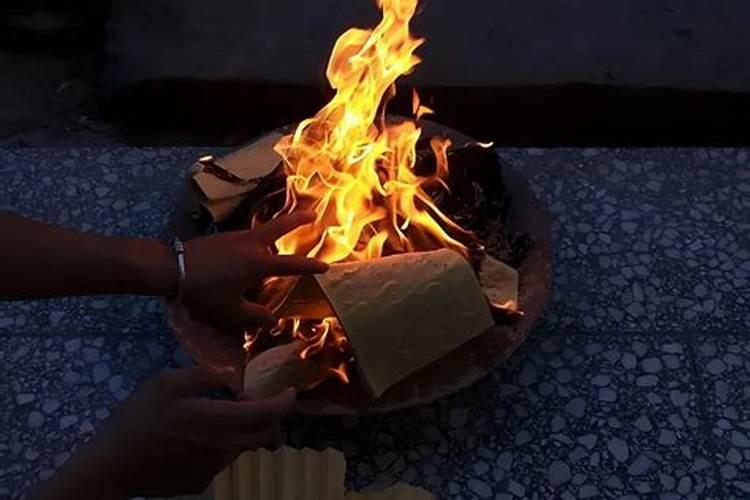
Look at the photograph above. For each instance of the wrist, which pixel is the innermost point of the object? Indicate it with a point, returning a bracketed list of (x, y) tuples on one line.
[(77, 480), (152, 267)]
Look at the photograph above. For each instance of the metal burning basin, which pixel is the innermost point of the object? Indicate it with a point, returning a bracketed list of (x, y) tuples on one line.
[(457, 369)]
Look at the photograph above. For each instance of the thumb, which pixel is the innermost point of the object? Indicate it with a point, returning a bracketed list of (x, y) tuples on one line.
[(284, 399), (196, 380), (282, 402), (268, 409), (245, 314)]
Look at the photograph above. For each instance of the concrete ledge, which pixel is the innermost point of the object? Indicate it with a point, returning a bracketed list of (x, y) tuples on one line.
[(182, 111)]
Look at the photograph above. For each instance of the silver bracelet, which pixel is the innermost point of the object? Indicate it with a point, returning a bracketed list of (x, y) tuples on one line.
[(179, 251)]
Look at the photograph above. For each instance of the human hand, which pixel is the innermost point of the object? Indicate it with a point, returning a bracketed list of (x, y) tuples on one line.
[(223, 269), (167, 440)]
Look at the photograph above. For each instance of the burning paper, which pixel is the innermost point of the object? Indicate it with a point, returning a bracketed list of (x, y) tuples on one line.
[(403, 312), (399, 313), (278, 368), (289, 474)]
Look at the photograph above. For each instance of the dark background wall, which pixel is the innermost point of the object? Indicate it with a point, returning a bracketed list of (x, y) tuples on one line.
[(694, 44), (50, 55), (518, 72)]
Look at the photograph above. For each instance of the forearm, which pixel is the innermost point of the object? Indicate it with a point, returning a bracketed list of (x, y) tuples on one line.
[(73, 484), (90, 473), (38, 260)]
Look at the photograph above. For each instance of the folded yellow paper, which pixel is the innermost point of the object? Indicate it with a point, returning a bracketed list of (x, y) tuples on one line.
[(402, 312)]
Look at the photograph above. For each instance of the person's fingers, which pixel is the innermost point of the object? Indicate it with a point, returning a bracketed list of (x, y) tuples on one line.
[(240, 314), (196, 380), (253, 315), (278, 227), (234, 314), (243, 415), (287, 265)]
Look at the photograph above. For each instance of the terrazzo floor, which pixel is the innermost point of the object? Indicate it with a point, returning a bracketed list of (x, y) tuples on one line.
[(636, 383)]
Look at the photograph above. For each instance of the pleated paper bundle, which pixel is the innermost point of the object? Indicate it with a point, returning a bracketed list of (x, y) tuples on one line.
[(289, 474)]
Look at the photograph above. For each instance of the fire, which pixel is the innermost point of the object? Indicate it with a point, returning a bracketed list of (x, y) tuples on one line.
[(356, 169)]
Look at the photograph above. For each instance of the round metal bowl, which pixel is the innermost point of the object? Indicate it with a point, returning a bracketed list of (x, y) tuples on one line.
[(460, 369)]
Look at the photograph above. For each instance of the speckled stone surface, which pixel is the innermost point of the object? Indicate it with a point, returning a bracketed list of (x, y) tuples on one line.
[(634, 385)]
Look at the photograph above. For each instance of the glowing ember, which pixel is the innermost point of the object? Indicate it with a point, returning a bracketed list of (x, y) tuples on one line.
[(356, 171)]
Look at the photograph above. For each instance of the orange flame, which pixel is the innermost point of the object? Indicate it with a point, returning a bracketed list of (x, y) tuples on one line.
[(417, 109), (355, 169)]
